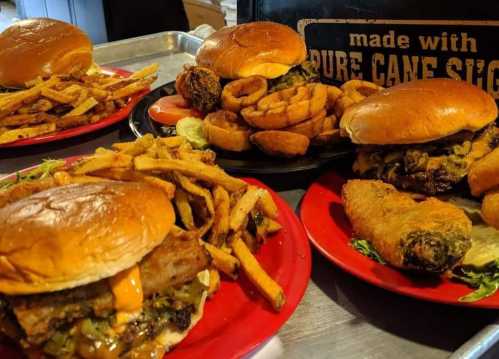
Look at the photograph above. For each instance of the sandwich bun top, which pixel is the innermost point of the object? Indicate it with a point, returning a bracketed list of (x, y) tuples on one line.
[(42, 47), (417, 112), (78, 234), (260, 48)]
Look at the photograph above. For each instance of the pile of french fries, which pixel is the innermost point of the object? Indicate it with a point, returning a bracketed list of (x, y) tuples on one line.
[(62, 102), (230, 217)]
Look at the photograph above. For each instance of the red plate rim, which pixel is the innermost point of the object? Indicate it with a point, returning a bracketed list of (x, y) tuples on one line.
[(77, 131), (331, 237), (292, 238)]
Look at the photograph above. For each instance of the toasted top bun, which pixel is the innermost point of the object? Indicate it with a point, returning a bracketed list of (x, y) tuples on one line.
[(417, 112), (74, 235), (260, 48), (42, 47)]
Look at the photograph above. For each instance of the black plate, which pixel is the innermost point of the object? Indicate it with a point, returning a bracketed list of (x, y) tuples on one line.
[(249, 162)]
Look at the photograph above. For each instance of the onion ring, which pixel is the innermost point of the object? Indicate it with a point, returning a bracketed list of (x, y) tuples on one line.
[(225, 130), (287, 107), (309, 128), (243, 93)]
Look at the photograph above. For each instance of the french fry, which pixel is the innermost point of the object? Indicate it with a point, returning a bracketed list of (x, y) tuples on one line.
[(267, 205), (82, 97), (223, 261), (243, 207), (87, 105), (196, 190), (184, 209), (214, 282), (72, 121), (41, 105), (99, 162), (98, 93), (167, 187), (27, 132), (118, 174), (26, 119), (144, 72), (90, 96), (272, 225), (257, 275), (125, 174), (38, 80), (57, 96), (130, 89), (220, 227), (72, 89), (9, 104), (173, 141), (82, 179), (136, 147), (197, 170)]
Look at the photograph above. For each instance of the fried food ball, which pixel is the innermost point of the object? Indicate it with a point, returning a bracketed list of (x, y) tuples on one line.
[(225, 130), (200, 86), (281, 143)]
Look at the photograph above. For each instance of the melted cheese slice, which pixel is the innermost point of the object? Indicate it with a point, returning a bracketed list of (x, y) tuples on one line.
[(268, 70), (127, 290)]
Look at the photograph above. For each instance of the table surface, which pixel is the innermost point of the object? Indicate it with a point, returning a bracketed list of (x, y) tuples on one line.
[(340, 316)]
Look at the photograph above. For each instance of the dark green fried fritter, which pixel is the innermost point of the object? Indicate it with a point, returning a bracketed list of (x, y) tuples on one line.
[(428, 236)]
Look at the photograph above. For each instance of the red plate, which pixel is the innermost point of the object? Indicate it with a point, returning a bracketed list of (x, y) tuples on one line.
[(237, 319), (76, 131), (329, 230)]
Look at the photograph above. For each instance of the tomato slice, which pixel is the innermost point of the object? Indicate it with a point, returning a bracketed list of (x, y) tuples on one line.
[(169, 110)]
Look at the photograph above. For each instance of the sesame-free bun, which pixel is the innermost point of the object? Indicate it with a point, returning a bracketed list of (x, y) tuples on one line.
[(42, 47), (417, 112), (78, 234), (260, 48)]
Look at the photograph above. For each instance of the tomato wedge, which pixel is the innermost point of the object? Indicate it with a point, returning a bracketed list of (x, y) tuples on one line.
[(169, 110)]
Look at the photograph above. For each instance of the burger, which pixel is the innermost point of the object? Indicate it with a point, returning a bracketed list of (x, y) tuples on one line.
[(94, 271), (42, 47), (422, 135), (262, 48)]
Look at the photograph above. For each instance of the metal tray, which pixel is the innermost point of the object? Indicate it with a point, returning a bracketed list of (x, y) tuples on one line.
[(171, 49)]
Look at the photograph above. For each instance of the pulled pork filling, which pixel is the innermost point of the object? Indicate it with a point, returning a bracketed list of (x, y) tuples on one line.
[(82, 322), (428, 168)]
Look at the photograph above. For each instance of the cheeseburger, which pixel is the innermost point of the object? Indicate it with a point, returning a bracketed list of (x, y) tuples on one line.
[(422, 135), (40, 48), (262, 48), (91, 271)]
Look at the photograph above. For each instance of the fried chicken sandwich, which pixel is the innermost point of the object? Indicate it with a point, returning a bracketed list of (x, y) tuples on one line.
[(423, 135), (93, 271)]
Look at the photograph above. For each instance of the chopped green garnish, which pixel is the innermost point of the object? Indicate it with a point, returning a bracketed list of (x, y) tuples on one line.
[(40, 172), (486, 281), (366, 248)]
